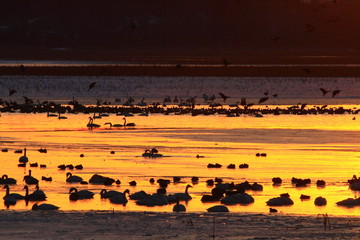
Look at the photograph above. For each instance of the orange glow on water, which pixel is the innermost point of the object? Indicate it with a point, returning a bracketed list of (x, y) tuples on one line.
[(303, 146)]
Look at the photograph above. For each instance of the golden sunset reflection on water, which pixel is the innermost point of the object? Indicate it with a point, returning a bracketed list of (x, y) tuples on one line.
[(304, 146)]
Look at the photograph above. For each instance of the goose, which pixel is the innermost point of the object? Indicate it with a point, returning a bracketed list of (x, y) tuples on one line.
[(113, 125), (109, 194), (72, 178), (82, 194), (6, 180), (120, 198), (128, 124), (24, 159), (30, 179), (37, 195), (9, 195), (179, 207), (44, 206), (184, 196)]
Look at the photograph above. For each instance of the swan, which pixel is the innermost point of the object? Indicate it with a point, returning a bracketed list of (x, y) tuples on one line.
[(280, 201), (128, 124), (24, 159), (98, 179), (37, 195), (179, 207), (218, 208), (61, 117), (152, 154), (109, 194), (51, 114), (72, 178), (242, 198), (82, 194), (30, 179), (6, 180), (91, 123), (9, 195), (113, 125), (120, 198), (153, 200), (44, 206), (138, 195), (183, 196)]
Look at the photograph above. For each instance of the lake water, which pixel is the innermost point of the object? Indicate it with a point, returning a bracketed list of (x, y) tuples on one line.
[(318, 147)]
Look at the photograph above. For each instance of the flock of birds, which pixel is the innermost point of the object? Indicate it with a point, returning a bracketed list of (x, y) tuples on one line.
[(222, 192)]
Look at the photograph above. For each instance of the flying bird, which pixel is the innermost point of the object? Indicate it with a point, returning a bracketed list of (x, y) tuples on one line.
[(335, 92), (11, 91), (223, 96), (324, 91), (91, 85), (263, 99)]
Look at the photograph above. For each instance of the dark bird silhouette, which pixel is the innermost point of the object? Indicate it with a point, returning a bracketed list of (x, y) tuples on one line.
[(224, 97), (324, 91), (303, 106), (205, 97), (243, 102), (335, 92), (212, 98), (225, 62), (11, 91), (263, 99), (91, 85), (266, 93), (275, 95)]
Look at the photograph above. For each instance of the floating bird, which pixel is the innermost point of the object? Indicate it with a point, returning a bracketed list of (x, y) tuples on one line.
[(120, 198), (44, 206), (179, 207), (224, 97), (128, 124), (91, 85), (113, 125), (72, 178), (82, 194), (218, 208), (24, 159), (12, 195), (30, 179), (91, 123), (185, 195), (109, 194), (37, 195), (6, 180)]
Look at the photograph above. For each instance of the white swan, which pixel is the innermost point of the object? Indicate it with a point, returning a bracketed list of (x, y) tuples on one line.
[(128, 124), (6, 180), (120, 198), (44, 206), (113, 125), (179, 207), (37, 195), (9, 195), (82, 194), (91, 123), (30, 179), (109, 194), (24, 159), (218, 208), (183, 196), (72, 178)]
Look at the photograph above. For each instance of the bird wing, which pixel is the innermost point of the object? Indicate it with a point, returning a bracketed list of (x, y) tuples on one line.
[(324, 91), (264, 99)]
